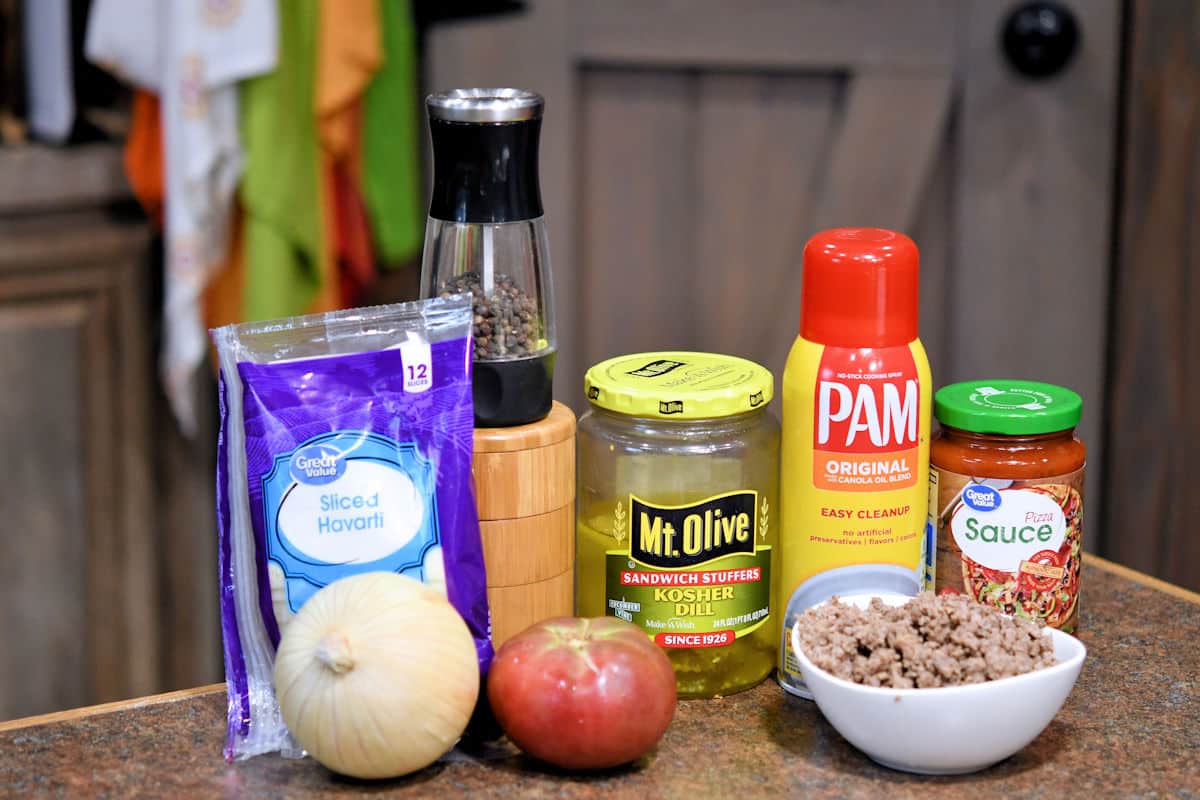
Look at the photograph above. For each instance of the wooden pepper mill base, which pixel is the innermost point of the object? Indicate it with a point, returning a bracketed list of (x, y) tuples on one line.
[(525, 491)]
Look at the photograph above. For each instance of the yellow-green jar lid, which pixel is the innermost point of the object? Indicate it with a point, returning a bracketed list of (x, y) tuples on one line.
[(679, 385)]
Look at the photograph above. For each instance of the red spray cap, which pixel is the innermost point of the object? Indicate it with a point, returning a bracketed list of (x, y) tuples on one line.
[(860, 288)]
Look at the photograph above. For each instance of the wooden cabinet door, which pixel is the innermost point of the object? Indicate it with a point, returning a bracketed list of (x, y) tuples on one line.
[(1155, 374), (77, 558), (691, 148)]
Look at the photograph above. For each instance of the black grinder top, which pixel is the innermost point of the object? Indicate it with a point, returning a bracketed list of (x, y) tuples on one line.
[(485, 155)]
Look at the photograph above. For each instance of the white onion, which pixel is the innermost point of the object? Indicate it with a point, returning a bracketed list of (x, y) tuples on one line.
[(376, 675)]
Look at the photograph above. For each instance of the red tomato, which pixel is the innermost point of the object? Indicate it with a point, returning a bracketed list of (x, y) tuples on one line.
[(996, 575), (582, 693)]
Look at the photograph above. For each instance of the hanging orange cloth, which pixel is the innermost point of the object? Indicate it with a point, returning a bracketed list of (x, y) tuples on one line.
[(349, 52), (352, 229), (144, 155)]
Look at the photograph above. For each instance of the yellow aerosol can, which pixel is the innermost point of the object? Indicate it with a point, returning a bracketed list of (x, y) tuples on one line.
[(856, 427)]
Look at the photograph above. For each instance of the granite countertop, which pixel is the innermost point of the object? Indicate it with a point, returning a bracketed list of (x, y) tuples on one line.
[(1130, 728)]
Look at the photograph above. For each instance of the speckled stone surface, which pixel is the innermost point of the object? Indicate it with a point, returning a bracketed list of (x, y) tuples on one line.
[(1131, 728)]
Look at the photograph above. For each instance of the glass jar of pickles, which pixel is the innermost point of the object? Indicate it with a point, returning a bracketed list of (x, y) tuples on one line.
[(677, 493)]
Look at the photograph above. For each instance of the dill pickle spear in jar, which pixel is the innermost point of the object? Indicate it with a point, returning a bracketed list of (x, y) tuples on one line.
[(677, 489)]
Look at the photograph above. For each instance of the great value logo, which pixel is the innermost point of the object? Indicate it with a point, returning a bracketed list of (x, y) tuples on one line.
[(981, 498), (317, 465)]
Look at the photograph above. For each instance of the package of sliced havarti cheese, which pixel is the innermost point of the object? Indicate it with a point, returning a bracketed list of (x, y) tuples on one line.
[(345, 447)]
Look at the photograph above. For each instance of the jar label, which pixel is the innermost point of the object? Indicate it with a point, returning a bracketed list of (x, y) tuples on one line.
[(695, 575), (866, 424), (1011, 544)]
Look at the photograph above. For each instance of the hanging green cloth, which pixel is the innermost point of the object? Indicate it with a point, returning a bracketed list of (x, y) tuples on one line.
[(281, 187), (391, 177)]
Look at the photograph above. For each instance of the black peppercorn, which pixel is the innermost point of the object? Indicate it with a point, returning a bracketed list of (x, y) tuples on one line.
[(505, 322)]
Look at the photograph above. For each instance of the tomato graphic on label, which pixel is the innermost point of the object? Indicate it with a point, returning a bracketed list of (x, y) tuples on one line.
[(994, 575)]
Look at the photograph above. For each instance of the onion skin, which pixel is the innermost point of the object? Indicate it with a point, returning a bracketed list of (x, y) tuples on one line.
[(583, 693), (376, 676)]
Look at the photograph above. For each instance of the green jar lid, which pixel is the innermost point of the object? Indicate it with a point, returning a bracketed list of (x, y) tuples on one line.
[(1007, 406), (678, 385)]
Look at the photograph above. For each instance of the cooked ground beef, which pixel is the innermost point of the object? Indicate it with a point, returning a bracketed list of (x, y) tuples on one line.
[(930, 641)]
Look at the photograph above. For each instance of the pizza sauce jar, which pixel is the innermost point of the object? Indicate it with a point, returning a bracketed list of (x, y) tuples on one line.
[(1006, 497)]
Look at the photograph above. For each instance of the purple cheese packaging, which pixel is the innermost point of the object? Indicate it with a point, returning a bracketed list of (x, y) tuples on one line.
[(345, 447)]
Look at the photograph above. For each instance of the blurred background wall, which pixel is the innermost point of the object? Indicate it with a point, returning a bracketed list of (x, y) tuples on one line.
[(689, 150)]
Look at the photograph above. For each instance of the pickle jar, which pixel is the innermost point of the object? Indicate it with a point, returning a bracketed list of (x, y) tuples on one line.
[(1006, 497), (678, 480)]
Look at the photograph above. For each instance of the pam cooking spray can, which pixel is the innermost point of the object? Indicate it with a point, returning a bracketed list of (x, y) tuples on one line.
[(856, 416)]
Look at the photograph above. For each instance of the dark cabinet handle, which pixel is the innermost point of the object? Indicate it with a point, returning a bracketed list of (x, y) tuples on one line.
[(1039, 39)]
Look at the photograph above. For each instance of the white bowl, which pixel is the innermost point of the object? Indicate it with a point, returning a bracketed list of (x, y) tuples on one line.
[(949, 730)]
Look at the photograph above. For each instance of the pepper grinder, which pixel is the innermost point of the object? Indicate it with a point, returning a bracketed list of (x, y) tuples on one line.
[(486, 235)]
